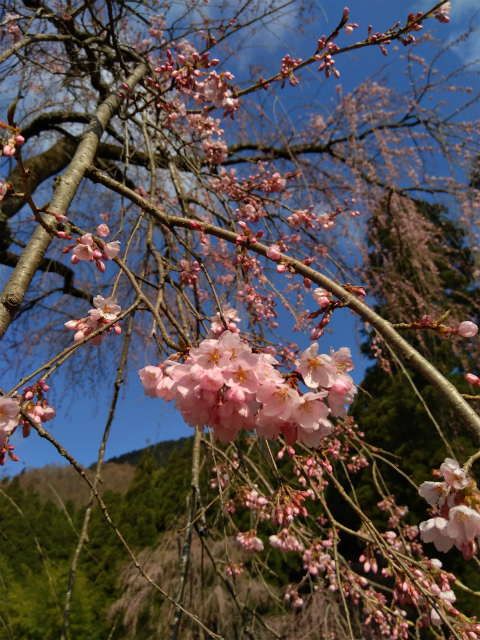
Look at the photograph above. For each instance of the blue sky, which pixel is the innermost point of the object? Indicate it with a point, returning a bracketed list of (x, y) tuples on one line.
[(139, 419)]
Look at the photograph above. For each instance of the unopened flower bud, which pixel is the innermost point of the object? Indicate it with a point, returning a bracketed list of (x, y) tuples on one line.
[(19, 140), (472, 379), (467, 329), (100, 266)]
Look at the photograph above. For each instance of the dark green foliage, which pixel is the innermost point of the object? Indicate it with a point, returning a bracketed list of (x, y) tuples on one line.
[(161, 452)]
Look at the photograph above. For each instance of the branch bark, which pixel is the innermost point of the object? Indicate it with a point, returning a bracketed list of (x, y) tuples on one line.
[(66, 188)]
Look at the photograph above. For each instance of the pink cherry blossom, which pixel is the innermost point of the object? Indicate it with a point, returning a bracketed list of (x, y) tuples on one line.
[(311, 411), (316, 370), (338, 401), (242, 372), (322, 297), (278, 400), (108, 307), (150, 377), (231, 317), (49, 413), (83, 251), (274, 253), (8, 415), (286, 541), (249, 541), (463, 524), (434, 530), (453, 473), (433, 492), (112, 249), (210, 354), (102, 230)]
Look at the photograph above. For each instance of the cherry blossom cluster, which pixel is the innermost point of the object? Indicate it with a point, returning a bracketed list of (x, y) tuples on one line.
[(456, 503), (285, 541), (13, 30), (90, 249), (288, 67), (222, 473), (15, 141), (326, 221), (249, 541), (106, 310), (9, 415), (188, 275), (234, 569), (291, 596), (35, 404), (225, 386)]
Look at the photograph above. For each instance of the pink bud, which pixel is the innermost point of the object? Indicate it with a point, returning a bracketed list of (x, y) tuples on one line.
[(100, 266), (467, 329), (97, 254), (345, 12), (348, 30), (8, 151), (341, 386), (62, 234), (281, 268), (118, 329), (316, 333), (19, 140), (472, 379), (28, 395), (274, 253), (426, 320), (66, 250), (74, 259), (307, 283)]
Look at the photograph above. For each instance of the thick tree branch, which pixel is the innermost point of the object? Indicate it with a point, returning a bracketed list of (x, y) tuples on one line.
[(50, 265), (66, 188)]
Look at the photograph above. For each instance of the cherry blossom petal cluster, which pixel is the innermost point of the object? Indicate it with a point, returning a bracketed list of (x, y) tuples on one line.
[(87, 249), (249, 541), (224, 385), (106, 310), (9, 413), (457, 501), (286, 541)]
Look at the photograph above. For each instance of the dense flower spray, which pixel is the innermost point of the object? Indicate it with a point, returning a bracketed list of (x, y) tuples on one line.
[(225, 385)]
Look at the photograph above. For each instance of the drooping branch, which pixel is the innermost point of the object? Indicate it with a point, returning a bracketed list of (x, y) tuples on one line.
[(468, 416)]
